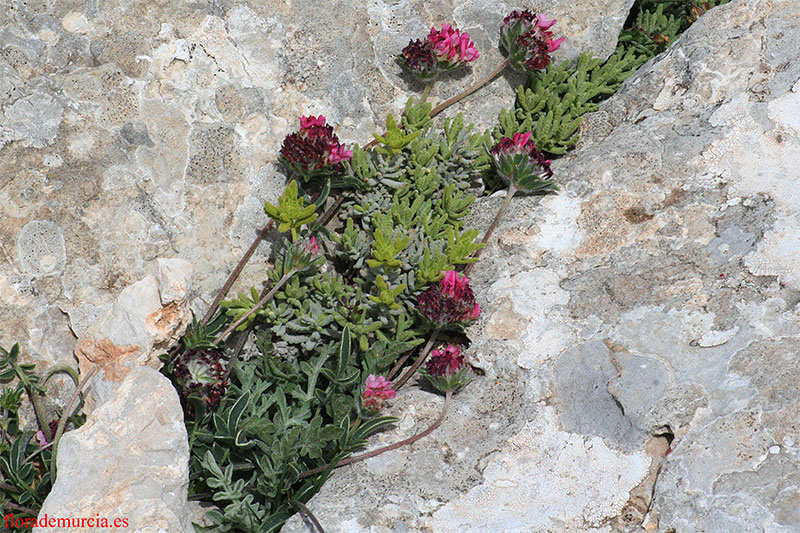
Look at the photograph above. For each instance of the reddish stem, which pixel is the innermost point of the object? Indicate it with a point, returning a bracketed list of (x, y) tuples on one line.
[(457, 98), (454, 100), (236, 271), (423, 354), (373, 453), (509, 194)]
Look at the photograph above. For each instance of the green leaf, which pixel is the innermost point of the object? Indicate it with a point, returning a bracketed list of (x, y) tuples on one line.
[(416, 115), (343, 354), (395, 138), (291, 212), (385, 250), (235, 414)]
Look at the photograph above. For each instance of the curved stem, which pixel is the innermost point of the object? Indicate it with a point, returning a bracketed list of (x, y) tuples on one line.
[(37, 452), (62, 423), (224, 335), (457, 98), (413, 368), (454, 100), (33, 394), (66, 369), (396, 368), (307, 512), (373, 453), (509, 194), (236, 271)]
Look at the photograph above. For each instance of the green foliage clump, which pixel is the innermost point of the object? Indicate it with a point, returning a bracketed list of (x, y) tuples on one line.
[(25, 475), (552, 104), (652, 31), (338, 314), (291, 211)]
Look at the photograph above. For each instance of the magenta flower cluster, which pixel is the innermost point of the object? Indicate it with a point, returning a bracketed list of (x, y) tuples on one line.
[(449, 302), (452, 46), (445, 361), (447, 370), (518, 162), (443, 50), (528, 40), (201, 373), (377, 389), (315, 147), (521, 143)]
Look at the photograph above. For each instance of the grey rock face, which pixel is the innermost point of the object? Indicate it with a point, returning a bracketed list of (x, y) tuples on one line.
[(145, 320), (650, 307), (654, 298), (130, 460)]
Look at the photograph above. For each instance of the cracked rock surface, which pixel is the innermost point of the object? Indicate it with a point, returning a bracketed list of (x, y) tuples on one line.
[(138, 143), (642, 331), (641, 336)]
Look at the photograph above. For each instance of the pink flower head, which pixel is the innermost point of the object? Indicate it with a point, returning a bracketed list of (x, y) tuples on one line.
[(314, 147), (445, 361), (518, 161), (528, 40), (310, 122), (447, 369), (450, 302), (521, 143), (377, 390), (312, 247), (452, 47)]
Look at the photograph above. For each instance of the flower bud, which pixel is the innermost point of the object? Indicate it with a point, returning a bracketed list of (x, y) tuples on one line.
[(527, 40), (377, 389), (201, 373), (518, 162), (419, 58), (447, 369)]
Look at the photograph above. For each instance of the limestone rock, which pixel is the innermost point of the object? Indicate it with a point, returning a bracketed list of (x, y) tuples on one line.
[(642, 326), (130, 460), (147, 318)]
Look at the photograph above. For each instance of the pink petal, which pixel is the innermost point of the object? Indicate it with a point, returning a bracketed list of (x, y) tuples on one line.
[(542, 22), (311, 121), (476, 312), (521, 139), (552, 45), (449, 283)]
